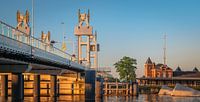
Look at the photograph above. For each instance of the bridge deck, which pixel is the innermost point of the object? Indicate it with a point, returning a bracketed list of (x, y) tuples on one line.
[(17, 48)]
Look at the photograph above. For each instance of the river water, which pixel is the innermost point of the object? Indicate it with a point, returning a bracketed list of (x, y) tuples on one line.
[(140, 98), (151, 98)]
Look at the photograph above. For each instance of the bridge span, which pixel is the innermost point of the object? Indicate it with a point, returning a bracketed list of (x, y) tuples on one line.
[(25, 59), (32, 54)]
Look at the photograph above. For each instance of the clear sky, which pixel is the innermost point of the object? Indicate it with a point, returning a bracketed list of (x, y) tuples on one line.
[(132, 28)]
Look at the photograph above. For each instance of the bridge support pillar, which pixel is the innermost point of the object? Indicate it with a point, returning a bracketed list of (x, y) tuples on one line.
[(90, 78), (53, 88), (17, 87), (36, 87), (4, 86)]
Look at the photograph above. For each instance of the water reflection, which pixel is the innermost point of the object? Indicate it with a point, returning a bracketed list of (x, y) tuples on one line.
[(150, 98), (81, 98)]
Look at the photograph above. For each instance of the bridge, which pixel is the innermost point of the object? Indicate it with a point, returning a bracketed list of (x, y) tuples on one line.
[(21, 53), (30, 54)]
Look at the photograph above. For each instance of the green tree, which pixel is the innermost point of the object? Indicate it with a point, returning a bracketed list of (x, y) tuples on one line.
[(126, 68)]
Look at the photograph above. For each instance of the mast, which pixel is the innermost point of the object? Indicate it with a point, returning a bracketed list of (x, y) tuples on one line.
[(164, 49)]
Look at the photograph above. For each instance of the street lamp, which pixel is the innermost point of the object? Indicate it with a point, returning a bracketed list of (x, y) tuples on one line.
[(32, 18), (67, 40)]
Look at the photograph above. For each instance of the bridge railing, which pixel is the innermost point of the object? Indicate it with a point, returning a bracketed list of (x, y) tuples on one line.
[(11, 32)]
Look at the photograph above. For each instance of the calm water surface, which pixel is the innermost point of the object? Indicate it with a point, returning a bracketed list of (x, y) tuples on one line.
[(140, 98)]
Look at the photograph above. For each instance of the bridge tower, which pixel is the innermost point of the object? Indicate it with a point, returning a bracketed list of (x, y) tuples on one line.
[(23, 22), (87, 41)]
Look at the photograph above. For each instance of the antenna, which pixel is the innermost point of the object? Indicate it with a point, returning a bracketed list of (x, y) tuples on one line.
[(164, 49)]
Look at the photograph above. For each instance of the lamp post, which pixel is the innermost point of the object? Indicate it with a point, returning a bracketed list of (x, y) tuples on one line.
[(67, 40), (32, 18), (63, 30)]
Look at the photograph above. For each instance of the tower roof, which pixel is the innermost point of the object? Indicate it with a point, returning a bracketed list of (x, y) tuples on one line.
[(195, 69), (148, 61), (178, 69)]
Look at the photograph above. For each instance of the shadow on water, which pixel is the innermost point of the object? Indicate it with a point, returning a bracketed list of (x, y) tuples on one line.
[(81, 98)]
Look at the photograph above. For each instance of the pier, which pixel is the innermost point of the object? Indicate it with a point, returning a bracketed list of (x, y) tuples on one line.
[(120, 89)]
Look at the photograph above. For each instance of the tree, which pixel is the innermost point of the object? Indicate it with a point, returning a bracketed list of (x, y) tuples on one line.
[(126, 68)]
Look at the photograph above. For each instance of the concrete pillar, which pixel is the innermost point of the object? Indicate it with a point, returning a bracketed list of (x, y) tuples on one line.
[(17, 87), (36, 86), (99, 87), (53, 89), (90, 78), (4, 86)]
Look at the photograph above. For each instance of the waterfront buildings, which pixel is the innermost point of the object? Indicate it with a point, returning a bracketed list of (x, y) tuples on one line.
[(153, 70), (157, 75)]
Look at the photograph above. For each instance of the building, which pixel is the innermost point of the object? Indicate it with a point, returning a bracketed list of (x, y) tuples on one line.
[(179, 73), (159, 74), (153, 70)]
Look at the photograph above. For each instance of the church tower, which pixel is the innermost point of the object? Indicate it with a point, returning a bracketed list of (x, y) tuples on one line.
[(148, 66)]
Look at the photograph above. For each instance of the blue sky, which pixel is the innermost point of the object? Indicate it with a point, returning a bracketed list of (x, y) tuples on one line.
[(132, 28)]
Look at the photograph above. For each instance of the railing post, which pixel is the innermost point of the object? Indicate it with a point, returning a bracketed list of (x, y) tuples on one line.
[(8, 32)]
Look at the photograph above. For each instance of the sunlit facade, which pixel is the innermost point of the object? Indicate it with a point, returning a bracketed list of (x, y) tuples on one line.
[(153, 70)]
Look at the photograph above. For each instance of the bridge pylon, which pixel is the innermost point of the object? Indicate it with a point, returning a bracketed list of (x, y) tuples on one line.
[(87, 41)]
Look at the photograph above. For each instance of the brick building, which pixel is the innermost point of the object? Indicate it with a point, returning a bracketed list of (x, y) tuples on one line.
[(153, 70)]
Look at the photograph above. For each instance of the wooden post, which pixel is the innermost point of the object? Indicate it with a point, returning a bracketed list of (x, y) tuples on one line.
[(131, 88), (106, 90), (116, 88), (110, 89), (135, 89), (127, 89)]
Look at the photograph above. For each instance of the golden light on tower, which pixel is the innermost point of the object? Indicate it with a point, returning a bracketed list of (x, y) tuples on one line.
[(84, 30), (23, 22)]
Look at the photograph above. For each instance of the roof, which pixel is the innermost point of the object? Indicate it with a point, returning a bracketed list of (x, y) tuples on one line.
[(178, 69), (191, 75), (186, 74), (170, 79), (195, 69), (148, 61)]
